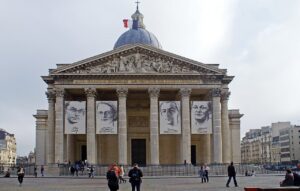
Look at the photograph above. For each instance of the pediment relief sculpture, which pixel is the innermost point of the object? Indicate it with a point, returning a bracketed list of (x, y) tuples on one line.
[(140, 63)]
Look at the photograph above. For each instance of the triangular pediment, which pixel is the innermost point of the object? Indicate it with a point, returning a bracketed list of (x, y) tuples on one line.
[(137, 59)]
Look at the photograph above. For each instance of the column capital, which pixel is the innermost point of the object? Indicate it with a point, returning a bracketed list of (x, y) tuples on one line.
[(122, 92), (59, 92), (185, 92), (50, 94), (225, 95), (153, 92), (90, 92), (216, 92)]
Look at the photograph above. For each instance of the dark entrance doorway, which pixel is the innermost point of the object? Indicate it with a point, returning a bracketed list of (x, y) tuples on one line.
[(83, 153), (193, 154), (138, 151)]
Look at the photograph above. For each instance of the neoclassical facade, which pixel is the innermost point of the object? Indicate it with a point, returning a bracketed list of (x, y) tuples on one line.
[(135, 80)]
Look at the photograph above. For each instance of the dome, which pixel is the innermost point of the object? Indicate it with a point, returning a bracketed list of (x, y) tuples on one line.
[(137, 34)]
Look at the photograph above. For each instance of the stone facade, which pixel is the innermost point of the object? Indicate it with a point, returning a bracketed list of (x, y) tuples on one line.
[(138, 77), (7, 148)]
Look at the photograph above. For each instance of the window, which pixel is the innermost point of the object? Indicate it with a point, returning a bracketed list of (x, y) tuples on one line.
[(285, 144)]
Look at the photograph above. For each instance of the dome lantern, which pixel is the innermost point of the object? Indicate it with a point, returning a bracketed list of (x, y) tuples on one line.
[(137, 34)]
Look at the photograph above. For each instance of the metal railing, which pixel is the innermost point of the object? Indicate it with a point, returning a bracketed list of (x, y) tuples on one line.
[(174, 170)]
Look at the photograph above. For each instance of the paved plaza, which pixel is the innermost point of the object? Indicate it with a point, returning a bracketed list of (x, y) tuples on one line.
[(149, 183)]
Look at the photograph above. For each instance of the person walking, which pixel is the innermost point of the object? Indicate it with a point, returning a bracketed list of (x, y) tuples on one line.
[(91, 172), (42, 170), (201, 173), (206, 169), (122, 173), (35, 171), (135, 177), (231, 174), (21, 174), (113, 181)]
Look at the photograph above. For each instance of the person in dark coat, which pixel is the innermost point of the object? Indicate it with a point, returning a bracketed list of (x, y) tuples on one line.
[(231, 174), (135, 177), (35, 171), (296, 179), (21, 174), (113, 180), (288, 180)]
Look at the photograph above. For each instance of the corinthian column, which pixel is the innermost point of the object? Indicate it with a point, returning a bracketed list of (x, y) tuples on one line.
[(50, 126), (186, 128), (91, 126), (217, 137), (154, 136), (122, 94), (59, 126), (225, 127)]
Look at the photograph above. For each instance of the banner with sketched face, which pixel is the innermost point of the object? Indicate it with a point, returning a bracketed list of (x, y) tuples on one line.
[(201, 117), (75, 117), (106, 117), (170, 117)]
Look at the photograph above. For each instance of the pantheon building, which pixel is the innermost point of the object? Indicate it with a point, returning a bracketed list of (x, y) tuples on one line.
[(139, 104)]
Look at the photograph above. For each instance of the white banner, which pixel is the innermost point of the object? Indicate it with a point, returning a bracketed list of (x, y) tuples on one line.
[(106, 117), (170, 117), (75, 117), (201, 114)]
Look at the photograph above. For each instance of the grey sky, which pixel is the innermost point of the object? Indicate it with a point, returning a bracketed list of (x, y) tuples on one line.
[(257, 41)]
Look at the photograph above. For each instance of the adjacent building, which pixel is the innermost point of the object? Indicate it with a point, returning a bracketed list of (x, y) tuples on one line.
[(138, 104), (7, 148), (271, 144), (289, 139)]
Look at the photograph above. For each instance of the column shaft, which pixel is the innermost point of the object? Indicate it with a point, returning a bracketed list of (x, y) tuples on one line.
[(91, 126), (70, 148), (154, 135), (122, 138), (59, 126), (186, 129), (50, 127), (206, 145), (225, 128), (217, 137)]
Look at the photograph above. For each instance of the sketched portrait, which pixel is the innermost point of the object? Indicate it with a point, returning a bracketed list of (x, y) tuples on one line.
[(170, 117), (201, 114), (75, 116), (106, 117)]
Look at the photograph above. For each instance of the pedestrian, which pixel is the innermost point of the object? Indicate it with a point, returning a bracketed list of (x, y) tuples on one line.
[(7, 174), (35, 171), (206, 169), (117, 169), (72, 169), (91, 174), (135, 177), (122, 173), (42, 170), (231, 174), (21, 174), (201, 173), (112, 178), (288, 179), (76, 168)]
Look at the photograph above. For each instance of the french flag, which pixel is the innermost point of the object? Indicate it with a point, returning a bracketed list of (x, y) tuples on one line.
[(132, 24)]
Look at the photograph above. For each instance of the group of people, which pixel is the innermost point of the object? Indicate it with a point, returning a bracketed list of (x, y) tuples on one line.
[(290, 179), (203, 173), (35, 171), (115, 176)]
